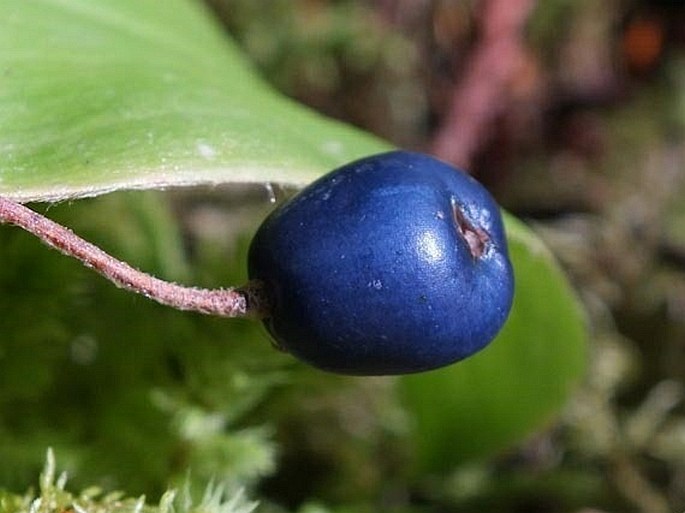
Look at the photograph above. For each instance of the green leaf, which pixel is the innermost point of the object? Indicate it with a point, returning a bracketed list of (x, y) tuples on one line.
[(124, 94), (121, 94), (480, 406)]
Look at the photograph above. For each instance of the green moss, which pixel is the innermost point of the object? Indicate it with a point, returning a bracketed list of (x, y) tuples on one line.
[(53, 497)]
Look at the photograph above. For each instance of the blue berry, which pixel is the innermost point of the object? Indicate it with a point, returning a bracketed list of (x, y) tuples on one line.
[(393, 264)]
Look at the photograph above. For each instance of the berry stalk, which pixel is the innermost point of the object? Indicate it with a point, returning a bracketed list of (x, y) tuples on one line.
[(246, 301)]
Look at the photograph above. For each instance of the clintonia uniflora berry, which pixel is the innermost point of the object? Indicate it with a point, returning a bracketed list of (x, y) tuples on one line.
[(393, 264)]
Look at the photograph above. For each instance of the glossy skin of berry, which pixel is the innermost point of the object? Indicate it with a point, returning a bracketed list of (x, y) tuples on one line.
[(393, 264)]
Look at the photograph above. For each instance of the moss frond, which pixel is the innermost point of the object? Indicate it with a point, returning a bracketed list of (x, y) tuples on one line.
[(53, 497)]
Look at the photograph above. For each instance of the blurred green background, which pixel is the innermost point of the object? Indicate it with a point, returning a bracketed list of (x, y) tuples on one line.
[(587, 149)]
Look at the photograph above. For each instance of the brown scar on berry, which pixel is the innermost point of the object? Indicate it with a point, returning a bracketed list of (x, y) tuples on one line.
[(476, 238)]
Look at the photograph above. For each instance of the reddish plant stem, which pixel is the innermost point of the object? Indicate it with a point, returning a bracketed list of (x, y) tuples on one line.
[(246, 301), (483, 92)]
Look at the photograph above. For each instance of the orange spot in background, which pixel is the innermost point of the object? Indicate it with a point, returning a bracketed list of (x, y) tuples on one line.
[(643, 44)]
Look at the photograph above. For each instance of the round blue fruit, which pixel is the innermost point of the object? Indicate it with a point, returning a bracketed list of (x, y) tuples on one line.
[(393, 264)]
